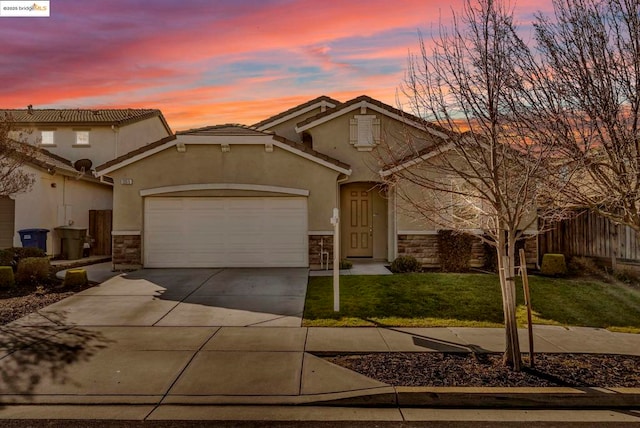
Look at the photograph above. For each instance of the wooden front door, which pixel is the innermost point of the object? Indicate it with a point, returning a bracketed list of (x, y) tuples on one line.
[(358, 221)]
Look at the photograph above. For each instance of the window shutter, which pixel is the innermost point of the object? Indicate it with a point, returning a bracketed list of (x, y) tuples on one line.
[(353, 131), (364, 132)]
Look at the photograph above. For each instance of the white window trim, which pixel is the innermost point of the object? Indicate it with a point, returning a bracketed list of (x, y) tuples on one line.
[(82, 132), (48, 132)]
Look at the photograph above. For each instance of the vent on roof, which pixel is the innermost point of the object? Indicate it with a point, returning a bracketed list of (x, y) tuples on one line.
[(29, 109)]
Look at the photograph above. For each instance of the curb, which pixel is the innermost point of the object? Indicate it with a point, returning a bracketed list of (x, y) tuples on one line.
[(549, 398), (494, 397)]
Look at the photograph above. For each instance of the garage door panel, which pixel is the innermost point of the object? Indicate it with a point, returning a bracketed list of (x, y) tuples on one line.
[(226, 232)]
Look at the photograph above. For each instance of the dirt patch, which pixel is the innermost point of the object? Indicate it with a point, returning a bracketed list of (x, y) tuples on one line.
[(478, 370)]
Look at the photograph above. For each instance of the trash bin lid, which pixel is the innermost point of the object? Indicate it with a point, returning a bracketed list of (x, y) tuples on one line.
[(33, 230)]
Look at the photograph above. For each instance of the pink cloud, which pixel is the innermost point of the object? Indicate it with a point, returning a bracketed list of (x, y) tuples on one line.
[(205, 62)]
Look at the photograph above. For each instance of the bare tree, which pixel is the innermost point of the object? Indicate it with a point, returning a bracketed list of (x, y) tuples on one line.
[(14, 153), (484, 174), (589, 105)]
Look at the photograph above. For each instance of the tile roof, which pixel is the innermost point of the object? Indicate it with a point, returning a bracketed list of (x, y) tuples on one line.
[(297, 108), (81, 116), (380, 104), (227, 129), (44, 159)]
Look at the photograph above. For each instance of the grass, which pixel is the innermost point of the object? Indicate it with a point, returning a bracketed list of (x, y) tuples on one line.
[(468, 300)]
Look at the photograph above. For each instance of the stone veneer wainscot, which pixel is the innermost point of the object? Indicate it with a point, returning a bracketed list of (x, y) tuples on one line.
[(425, 249), (127, 251), (314, 249)]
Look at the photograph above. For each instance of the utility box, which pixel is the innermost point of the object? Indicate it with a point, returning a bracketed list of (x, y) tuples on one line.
[(73, 239), (34, 238)]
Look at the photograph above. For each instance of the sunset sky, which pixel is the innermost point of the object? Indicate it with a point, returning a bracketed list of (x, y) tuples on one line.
[(207, 62)]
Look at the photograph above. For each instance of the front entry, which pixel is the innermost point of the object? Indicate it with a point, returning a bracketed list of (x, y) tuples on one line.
[(357, 209)]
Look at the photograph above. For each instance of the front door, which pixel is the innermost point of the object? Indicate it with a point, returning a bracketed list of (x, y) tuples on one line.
[(358, 220)]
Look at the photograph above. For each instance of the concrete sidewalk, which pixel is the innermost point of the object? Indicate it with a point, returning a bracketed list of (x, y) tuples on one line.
[(235, 365), (116, 348)]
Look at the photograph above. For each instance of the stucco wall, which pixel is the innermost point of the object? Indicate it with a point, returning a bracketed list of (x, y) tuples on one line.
[(287, 129), (56, 200), (105, 143), (138, 134), (206, 164), (332, 138)]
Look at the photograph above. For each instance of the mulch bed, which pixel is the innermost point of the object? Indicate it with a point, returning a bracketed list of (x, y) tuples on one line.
[(18, 301), (487, 370)]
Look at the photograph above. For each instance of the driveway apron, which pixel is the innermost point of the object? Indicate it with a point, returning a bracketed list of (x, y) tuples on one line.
[(189, 297)]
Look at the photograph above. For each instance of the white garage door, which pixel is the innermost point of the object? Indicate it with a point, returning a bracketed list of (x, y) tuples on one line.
[(225, 232)]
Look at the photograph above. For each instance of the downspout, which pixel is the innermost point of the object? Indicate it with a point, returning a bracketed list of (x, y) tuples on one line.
[(117, 140)]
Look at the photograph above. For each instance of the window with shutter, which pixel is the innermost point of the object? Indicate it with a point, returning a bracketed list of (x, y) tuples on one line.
[(364, 132)]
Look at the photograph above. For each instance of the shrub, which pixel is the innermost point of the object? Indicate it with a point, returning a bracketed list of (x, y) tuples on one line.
[(75, 278), (7, 278), (553, 264), (405, 264), (454, 251), (345, 264), (12, 256), (627, 275), (584, 265), (33, 270)]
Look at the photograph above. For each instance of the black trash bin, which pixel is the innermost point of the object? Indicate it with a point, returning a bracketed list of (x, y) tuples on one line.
[(34, 238), (72, 241)]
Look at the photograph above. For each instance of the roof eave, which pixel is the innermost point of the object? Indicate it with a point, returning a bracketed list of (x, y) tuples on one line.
[(368, 105)]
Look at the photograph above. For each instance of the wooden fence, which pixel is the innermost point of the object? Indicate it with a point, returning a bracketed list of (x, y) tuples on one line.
[(591, 235), (100, 232)]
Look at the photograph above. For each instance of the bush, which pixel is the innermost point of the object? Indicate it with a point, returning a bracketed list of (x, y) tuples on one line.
[(584, 266), (345, 264), (7, 278), (405, 264), (33, 270), (454, 251), (627, 275), (6, 257), (553, 264), (12, 256), (75, 278)]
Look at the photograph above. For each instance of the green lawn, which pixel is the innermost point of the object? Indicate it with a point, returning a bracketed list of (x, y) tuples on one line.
[(448, 299)]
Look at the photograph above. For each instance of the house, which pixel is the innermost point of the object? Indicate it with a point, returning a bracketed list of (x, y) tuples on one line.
[(263, 196), (70, 143)]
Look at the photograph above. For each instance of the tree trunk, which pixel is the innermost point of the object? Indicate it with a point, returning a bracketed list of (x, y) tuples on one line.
[(506, 268)]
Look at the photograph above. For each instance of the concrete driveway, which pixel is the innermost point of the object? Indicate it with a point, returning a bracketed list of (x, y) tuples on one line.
[(188, 297)]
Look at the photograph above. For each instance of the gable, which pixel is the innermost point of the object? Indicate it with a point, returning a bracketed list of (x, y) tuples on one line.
[(368, 105), (224, 136), (295, 114), (363, 136)]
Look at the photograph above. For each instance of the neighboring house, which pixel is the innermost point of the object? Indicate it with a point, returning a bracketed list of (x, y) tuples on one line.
[(264, 195), (69, 143)]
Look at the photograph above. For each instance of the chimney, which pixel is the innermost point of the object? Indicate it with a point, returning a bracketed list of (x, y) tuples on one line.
[(30, 109)]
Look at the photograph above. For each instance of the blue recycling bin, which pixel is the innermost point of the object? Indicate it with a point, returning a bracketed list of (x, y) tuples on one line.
[(36, 238)]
